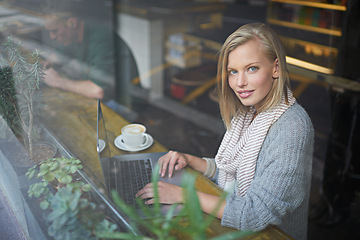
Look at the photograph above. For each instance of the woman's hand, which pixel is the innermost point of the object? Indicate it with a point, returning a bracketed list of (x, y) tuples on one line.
[(172, 160), (168, 193)]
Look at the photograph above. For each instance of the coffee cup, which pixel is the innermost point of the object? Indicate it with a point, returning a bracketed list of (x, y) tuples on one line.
[(133, 135)]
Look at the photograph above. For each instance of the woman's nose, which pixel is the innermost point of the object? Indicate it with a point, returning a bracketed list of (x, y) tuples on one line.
[(241, 81)]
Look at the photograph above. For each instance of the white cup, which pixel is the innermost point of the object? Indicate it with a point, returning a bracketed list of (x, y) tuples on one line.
[(133, 135)]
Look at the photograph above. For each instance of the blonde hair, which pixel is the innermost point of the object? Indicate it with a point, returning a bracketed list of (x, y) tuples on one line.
[(228, 101)]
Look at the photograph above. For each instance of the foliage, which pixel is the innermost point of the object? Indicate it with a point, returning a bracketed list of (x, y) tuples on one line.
[(161, 227), (8, 101), (72, 215), (21, 75)]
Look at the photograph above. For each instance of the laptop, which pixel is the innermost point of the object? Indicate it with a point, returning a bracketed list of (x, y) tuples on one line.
[(128, 173)]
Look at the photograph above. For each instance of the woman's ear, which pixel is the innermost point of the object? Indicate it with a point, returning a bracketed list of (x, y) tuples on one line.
[(276, 69)]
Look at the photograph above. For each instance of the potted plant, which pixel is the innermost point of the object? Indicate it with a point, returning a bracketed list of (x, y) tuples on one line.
[(65, 196), (21, 75)]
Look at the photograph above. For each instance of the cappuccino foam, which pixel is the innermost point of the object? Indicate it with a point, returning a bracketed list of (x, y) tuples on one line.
[(134, 129)]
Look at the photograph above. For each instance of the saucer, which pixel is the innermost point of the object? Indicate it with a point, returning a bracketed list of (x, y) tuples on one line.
[(120, 143), (101, 145)]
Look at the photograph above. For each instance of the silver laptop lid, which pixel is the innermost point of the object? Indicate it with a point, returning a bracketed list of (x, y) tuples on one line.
[(102, 146)]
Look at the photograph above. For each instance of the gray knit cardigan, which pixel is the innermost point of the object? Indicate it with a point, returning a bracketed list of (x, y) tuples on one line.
[(279, 193)]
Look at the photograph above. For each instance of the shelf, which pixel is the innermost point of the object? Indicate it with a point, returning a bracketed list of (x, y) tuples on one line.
[(310, 66), (333, 32), (313, 4), (306, 43)]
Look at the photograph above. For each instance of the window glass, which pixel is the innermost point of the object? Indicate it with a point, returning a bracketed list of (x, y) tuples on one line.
[(152, 62)]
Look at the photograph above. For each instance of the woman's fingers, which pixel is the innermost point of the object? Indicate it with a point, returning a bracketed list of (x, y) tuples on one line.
[(163, 162), (146, 192), (166, 162), (180, 165), (171, 161), (168, 193)]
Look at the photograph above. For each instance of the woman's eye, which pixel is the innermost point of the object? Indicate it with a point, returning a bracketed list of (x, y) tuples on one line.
[(251, 69), (232, 72)]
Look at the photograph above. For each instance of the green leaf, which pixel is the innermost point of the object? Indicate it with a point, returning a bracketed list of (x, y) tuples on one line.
[(118, 235), (191, 199), (44, 205), (128, 210), (74, 201), (49, 176), (234, 235), (38, 194), (86, 187), (155, 180), (169, 217), (56, 213), (30, 174), (54, 166), (43, 167), (73, 169), (148, 212), (63, 218), (66, 179)]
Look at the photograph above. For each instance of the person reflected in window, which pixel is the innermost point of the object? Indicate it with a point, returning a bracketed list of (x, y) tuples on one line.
[(87, 48), (264, 161)]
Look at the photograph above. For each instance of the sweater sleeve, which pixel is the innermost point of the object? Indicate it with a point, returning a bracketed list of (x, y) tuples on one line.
[(282, 178)]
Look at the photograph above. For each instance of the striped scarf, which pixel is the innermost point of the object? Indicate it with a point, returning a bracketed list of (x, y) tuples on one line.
[(240, 147)]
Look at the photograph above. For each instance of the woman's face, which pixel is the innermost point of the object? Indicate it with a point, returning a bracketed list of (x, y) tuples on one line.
[(251, 73)]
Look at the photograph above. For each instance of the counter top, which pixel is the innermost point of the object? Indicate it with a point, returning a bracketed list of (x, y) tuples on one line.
[(72, 118)]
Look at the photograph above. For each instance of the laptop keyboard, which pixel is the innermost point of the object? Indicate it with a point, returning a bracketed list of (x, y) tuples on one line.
[(132, 176)]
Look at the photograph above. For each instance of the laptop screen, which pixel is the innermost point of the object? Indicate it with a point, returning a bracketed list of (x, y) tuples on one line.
[(102, 147), (102, 140)]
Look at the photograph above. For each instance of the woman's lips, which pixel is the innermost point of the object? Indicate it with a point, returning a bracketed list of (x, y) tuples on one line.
[(245, 93)]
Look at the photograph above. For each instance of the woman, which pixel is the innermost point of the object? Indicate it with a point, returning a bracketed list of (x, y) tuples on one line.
[(265, 159)]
